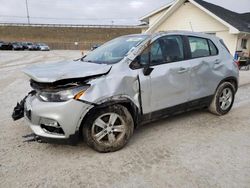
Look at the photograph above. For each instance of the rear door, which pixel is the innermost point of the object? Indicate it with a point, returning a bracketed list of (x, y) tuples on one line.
[(168, 83), (206, 67)]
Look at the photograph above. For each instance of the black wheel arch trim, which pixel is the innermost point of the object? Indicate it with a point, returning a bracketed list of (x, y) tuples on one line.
[(230, 79), (124, 101)]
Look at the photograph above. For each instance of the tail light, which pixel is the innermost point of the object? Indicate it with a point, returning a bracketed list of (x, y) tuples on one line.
[(237, 63)]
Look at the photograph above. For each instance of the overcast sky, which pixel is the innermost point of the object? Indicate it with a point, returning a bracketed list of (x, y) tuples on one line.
[(92, 11)]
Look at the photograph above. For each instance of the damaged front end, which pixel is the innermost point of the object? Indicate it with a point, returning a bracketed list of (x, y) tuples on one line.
[(56, 89), (53, 110), (59, 91), (18, 111)]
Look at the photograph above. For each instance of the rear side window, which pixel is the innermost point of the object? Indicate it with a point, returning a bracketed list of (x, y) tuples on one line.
[(199, 47)]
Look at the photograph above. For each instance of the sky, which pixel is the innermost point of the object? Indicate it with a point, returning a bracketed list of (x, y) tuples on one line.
[(104, 12)]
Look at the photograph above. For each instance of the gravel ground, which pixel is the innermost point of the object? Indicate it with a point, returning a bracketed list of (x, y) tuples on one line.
[(195, 149)]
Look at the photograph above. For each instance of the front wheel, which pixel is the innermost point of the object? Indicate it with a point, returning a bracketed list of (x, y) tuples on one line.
[(108, 129), (223, 99)]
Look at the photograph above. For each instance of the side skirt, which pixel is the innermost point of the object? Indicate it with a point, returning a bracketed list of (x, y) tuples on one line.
[(188, 106)]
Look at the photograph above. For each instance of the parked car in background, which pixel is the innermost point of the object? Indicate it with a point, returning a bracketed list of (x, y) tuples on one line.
[(43, 47), (126, 82), (1, 43), (6, 46), (17, 46), (25, 45), (30, 46)]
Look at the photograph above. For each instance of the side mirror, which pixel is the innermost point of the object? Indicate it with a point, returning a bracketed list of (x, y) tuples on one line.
[(147, 70), (136, 63)]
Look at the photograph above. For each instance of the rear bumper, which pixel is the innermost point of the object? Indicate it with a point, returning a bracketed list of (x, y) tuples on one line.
[(68, 116)]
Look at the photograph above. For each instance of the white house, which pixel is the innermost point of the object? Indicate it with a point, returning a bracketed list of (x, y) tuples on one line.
[(201, 16)]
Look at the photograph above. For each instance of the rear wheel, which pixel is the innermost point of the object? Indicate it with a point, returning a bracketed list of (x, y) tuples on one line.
[(109, 129), (223, 99)]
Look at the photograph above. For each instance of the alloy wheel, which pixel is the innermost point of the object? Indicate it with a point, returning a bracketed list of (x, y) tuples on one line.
[(108, 128), (226, 98)]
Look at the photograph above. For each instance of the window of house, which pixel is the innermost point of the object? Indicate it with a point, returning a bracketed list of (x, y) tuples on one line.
[(199, 47), (244, 43)]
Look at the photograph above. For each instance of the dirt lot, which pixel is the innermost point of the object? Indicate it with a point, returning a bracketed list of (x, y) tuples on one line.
[(196, 149)]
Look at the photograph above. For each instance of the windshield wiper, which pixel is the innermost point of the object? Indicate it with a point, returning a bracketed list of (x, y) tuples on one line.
[(80, 59)]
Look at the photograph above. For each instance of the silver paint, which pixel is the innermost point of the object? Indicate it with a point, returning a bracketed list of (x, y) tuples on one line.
[(168, 84)]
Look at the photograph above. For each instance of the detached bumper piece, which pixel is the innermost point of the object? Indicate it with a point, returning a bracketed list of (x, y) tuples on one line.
[(18, 111), (32, 138)]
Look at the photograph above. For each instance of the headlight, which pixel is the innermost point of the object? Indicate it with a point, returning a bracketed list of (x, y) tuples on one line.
[(63, 95)]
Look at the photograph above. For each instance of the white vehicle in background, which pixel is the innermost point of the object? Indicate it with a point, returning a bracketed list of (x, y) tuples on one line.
[(126, 82), (43, 47)]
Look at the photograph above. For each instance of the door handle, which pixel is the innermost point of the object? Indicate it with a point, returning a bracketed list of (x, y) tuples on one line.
[(182, 70)]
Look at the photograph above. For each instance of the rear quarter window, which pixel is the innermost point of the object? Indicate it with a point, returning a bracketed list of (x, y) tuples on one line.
[(213, 48)]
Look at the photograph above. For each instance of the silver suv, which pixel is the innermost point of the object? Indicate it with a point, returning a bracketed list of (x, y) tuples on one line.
[(127, 82)]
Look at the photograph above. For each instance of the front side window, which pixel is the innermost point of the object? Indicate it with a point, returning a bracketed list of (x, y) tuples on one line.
[(166, 49), (199, 47), (156, 53)]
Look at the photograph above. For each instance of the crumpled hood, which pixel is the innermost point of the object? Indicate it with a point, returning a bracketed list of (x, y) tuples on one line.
[(52, 72)]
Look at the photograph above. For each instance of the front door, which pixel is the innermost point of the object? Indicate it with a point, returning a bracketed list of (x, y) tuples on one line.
[(168, 83)]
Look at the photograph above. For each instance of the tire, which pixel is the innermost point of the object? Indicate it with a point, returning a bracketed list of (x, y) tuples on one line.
[(223, 99), (108, 129)]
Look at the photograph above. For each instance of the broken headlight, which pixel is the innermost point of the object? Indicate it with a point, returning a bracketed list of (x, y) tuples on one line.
[(62, 95)]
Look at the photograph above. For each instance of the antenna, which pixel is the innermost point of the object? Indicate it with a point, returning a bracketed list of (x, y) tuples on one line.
[(27, 10)]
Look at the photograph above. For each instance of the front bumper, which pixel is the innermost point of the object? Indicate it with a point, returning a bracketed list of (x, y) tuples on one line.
[(67, 114)]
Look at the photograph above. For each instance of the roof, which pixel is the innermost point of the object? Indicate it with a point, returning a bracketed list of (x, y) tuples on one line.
[(239, 21), (229, 18)]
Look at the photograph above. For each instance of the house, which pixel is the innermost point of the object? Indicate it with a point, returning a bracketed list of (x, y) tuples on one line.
[(201, 16)]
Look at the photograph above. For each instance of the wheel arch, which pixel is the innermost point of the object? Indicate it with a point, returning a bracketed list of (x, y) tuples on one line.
[(232, 80), (126, 102)]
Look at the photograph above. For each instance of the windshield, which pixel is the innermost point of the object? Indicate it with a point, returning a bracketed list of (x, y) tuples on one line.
[(115, 50)]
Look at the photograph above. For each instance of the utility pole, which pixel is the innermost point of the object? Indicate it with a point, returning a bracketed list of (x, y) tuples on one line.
[(27, 11)]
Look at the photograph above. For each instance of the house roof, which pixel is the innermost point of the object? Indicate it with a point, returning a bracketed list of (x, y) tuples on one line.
[(238, 21), (145, 18)]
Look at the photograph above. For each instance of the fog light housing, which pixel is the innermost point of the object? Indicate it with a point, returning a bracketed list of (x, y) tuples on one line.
[(49, 122), (51, 126)]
